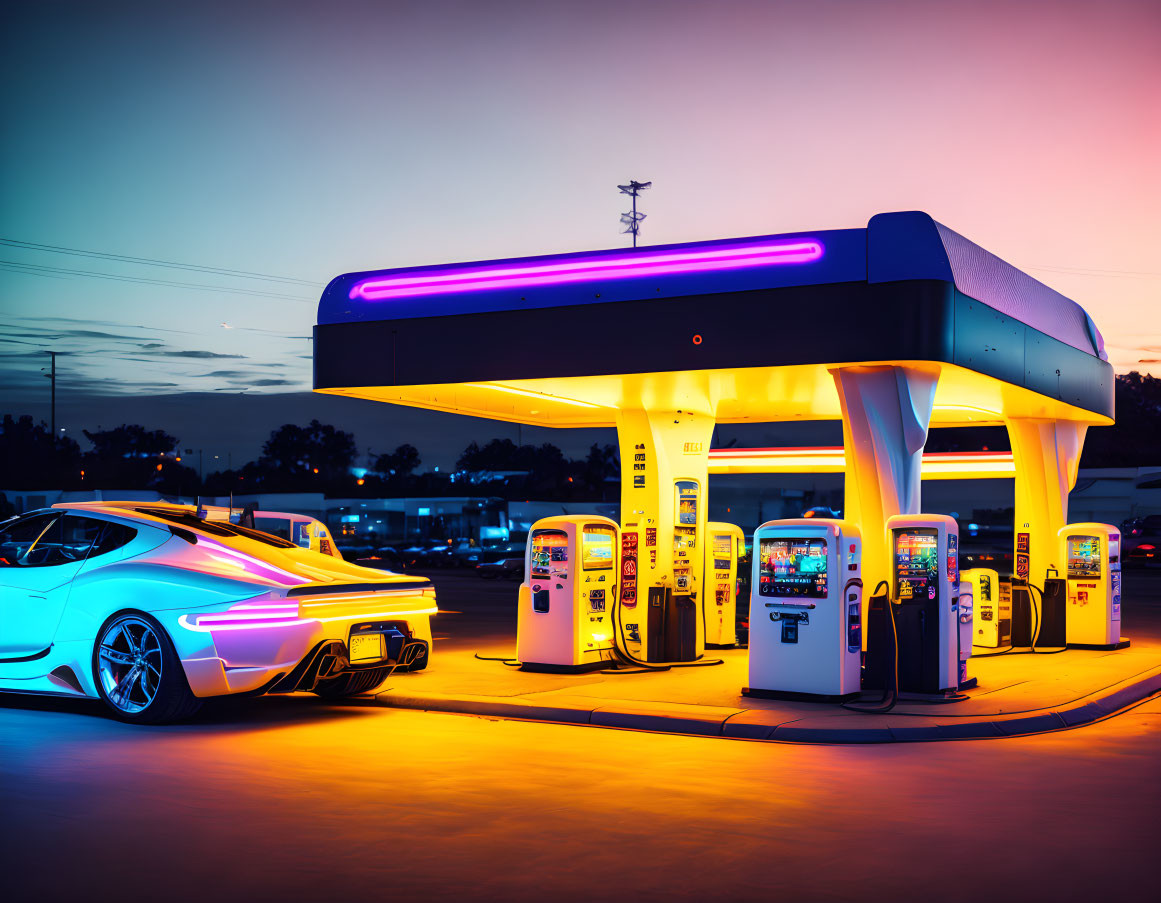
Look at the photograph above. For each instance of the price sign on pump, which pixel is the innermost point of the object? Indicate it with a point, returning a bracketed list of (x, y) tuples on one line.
[(629, 569)]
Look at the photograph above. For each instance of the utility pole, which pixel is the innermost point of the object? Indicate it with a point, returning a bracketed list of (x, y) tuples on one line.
[(632, 221), (52, 376)]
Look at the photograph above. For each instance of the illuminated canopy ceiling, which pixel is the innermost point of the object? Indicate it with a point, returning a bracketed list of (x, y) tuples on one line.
[(746, 329)]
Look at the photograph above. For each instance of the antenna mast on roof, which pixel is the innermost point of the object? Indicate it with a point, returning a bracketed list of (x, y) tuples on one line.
[(632, 221)]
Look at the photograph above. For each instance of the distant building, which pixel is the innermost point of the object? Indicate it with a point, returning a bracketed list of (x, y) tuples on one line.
[(1110, 495)]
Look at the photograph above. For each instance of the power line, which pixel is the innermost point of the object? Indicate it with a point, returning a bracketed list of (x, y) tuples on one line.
[(1093, 271), (150, 261), (32, 269)]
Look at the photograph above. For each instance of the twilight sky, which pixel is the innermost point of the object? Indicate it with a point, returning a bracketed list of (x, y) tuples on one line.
[(299, 141)]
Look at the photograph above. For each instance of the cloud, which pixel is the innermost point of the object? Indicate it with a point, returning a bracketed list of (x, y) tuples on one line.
[(226, 373), (197, 355), (95, 334), (23, 354), (39, 332), (90, 322), (273, 382), (22, 342), (28, 386)]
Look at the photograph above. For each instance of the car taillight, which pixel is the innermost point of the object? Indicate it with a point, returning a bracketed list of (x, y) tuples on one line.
[(246, 615), (1145, 547)]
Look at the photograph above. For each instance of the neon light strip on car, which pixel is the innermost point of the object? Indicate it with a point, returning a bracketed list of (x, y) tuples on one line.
[(226, 621), (642, 263), (328, 601)]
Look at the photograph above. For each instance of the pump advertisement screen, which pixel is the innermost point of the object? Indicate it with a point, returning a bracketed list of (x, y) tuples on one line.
[(549, 547), (792, 567), (597, 547), (916, 565), (1084, 557)]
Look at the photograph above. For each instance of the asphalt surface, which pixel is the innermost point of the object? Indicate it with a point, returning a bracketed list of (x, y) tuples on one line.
[(291, 798)]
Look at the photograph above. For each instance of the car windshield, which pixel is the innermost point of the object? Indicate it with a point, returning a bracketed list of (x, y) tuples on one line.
[(215, 528)]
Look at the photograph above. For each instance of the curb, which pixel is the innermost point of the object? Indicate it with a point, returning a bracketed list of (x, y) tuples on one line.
[(765, 725)]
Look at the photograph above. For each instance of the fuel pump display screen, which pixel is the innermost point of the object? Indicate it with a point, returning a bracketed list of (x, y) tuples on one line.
[(792, 567), (597, 548), (723, 549), (916, 564), (1084, 557), (549, 547), (984, 588)]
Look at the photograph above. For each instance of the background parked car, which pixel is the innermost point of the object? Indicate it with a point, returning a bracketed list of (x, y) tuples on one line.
[(385, 558), (1144, 547), (503, 568)]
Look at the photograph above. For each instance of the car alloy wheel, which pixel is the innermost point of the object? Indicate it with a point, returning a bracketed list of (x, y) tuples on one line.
[(129, 664)]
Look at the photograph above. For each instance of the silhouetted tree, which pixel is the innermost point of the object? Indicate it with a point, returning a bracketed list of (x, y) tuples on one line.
[(601, 470), (499, 454), (1135, 440), (132, 457), (539, 471), (316, 456), (32, 458), (400, 463)]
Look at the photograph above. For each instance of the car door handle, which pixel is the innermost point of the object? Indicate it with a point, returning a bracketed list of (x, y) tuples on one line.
[(37, 596)]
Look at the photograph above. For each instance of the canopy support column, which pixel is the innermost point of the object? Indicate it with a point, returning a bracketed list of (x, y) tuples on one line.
[(664, 485), (1047, 455), (886, 413)]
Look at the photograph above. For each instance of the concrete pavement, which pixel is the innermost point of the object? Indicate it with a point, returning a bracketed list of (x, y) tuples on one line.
[(1017, 694)]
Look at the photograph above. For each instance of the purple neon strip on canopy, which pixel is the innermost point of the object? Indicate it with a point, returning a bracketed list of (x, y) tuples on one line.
[(643, 263)]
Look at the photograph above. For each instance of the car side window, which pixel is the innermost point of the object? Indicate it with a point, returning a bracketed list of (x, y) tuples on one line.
[(21, 541), (113, 536), (69, 539)]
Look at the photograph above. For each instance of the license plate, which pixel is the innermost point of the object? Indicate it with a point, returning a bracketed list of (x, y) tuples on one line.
[(366, 647)]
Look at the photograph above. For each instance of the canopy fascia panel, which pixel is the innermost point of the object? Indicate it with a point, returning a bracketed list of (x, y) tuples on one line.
[(751, 342)]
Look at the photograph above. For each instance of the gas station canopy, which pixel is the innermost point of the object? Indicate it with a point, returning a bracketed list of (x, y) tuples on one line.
[(752, 327)]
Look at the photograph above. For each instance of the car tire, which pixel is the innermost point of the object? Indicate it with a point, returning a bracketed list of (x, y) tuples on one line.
[(351, 683), (137, 672)]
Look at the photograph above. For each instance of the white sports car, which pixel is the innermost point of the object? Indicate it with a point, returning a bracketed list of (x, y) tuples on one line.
[(152, 608)]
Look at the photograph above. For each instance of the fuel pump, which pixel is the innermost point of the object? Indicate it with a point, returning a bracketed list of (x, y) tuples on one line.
[(1092, 556), (992, 618), (567, 601), (725, 547), (925, 590), (805, 609)]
